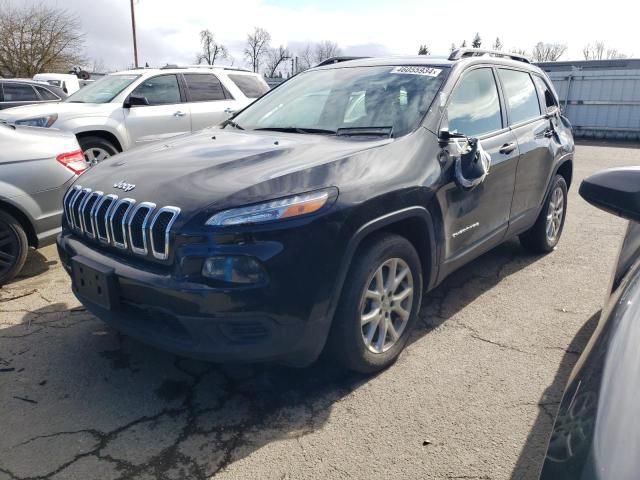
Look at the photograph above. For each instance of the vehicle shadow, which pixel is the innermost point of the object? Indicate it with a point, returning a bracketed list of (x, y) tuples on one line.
[(533, 453), (100, 400), (35, 265)]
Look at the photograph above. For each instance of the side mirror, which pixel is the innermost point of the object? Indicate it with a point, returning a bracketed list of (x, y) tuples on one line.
[(616, 190), (552, 111), (135, 101)]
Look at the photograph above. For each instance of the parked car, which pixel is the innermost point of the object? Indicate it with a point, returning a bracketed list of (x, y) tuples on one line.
[(67, 82), (597, 429), (18, 92), (135, 107), (278, 232), (36, 168)]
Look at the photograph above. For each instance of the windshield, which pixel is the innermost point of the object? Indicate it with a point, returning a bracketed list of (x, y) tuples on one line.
[(103, 90), (393, 99)]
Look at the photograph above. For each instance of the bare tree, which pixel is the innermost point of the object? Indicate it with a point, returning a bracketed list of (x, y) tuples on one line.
[(477, 41), (257, 47), (548, 52), (326, 49), (453, 47), (520, 51), (305, 58), (276, 57), (463, 44), (424, 50), (36, 38), (211, 50), (598, 51), (497, 45)]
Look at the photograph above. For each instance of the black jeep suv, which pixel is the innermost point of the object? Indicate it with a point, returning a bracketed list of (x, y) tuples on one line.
[(317, 216)]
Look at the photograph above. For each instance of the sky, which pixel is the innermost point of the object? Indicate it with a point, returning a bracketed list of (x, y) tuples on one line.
[(168, 30)]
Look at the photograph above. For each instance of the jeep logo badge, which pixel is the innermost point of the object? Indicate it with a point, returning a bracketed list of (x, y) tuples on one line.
[(122, 185)]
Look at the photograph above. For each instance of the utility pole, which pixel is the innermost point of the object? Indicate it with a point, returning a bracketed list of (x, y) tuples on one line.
[(135, 43)]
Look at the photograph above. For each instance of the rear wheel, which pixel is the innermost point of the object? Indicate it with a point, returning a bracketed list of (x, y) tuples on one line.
[(379, 304), (96, 149), (545, 233), (13, 247)]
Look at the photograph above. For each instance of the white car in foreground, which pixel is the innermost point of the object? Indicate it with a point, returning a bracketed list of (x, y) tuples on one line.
[(135, 107)]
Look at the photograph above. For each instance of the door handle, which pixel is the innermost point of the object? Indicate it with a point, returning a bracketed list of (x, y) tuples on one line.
[(179, 114), (548, 133), (508, 148), (229, 110)]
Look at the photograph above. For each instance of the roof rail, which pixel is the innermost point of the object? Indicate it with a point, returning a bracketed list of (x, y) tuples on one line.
[(473, 52), (332, 60), (217, 67)]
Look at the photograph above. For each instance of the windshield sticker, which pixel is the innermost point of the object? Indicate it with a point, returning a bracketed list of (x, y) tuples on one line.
[(425, 71)]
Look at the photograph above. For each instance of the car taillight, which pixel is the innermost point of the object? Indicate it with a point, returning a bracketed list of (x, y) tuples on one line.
[(74, 161)]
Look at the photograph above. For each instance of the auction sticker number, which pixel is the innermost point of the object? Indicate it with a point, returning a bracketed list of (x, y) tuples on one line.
[(426, 71)]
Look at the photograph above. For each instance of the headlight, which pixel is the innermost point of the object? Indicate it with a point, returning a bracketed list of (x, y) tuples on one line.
[(44, 122), (288, 207)]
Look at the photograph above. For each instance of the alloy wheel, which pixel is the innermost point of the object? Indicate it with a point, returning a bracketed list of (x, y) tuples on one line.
[(555, 214), (9, 248), (94, 155), (385, 306)]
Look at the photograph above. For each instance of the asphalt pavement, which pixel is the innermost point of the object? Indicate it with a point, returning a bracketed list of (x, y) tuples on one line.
[(472, 397)]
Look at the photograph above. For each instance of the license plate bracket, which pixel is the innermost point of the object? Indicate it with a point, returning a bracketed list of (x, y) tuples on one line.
[(94, 282)]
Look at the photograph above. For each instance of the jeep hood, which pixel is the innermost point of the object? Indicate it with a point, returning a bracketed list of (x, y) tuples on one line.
[(221, 168), (64, 110)]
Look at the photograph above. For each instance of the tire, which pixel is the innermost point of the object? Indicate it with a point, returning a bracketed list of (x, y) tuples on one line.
[(96, 149), (13, 247), (537, 238), (347, 342)]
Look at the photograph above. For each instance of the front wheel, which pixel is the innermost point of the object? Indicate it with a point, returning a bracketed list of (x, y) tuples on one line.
[(379, 304), (545, 233), (96, 149)]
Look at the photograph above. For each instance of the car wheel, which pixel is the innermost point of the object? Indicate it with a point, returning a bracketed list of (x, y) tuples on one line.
[(379, 304), (13, 247), (545, 233), (96, 149)]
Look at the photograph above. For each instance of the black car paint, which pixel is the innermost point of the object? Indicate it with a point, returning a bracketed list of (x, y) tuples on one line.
[(596, 432), (396, 184)]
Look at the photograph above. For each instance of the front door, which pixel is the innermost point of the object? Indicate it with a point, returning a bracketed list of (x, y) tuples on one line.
[(166, 115), (477, 219)]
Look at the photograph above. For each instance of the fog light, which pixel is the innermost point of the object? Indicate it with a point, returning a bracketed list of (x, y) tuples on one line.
[(234, 269)]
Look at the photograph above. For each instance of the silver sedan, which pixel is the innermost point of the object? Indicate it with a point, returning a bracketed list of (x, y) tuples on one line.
[(37, 166)]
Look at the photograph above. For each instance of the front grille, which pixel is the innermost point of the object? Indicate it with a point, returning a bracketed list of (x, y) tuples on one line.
[(121, 223)]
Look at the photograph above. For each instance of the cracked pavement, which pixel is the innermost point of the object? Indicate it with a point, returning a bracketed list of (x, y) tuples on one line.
[(473, 396)]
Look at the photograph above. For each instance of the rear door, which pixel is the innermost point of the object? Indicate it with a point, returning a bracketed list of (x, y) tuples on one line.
[(166, 115), (477, 219), (210, 103), (533, 133)]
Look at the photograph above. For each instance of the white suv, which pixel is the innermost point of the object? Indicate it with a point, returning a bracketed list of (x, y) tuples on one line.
[(131, 108)]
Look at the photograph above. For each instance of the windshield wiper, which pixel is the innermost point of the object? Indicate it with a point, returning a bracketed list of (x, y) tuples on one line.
[(365, 131), (232, 123), (298, 130)]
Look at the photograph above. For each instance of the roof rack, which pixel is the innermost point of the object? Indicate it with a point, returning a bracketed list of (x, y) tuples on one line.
[(212, 67), (477, 52), (332, 60)]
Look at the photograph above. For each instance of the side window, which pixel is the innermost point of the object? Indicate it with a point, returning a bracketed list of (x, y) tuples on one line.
[(249, 85), (521, 95), (46, 94), (16, 92), (549, 100), (474, 108), (161, 90), (204, 87)]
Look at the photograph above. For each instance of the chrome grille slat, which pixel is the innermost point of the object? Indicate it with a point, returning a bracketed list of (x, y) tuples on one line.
[(141, 207), (119, 227), (140, 228)]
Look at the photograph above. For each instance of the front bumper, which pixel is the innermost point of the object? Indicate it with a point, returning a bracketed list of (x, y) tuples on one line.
[(239, 324)]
